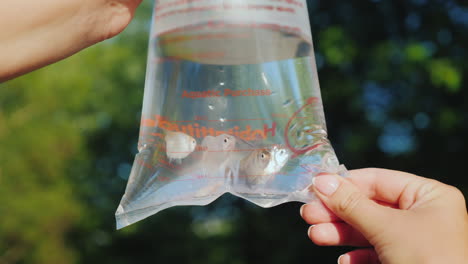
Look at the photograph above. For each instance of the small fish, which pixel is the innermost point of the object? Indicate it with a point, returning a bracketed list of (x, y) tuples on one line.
[(260, 165), (221, 143), (280, 157), (179, 145), (218, 151), (212, 157), (228, 142), (255, 163)]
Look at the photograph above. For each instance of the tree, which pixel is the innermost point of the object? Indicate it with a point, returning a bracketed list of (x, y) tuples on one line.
[(391, 75)]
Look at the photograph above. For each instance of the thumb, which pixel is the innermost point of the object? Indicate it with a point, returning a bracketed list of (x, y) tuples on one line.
[(345, 200)]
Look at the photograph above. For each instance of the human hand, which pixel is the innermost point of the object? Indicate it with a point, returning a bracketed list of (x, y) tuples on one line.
[(399, 217), (110, 16), (38, 33)]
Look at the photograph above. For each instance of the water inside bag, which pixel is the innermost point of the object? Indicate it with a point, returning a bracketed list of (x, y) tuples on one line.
[(228, 107)]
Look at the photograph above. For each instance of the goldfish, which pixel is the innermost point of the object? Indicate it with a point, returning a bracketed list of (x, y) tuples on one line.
[(260, 165), (179, 145)]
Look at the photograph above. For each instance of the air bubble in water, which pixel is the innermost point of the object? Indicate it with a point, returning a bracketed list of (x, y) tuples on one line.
[(287, 102)]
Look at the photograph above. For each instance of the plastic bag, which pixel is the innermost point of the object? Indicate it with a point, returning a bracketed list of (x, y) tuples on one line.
[(231, 104)]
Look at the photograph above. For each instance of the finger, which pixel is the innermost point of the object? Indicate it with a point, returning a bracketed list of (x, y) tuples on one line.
[(316, 212), (336, 234), (394, 188), (347, 202), (360, 256)]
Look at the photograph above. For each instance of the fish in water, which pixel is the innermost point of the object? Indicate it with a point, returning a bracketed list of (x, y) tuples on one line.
[(260, 165), (221, 143), (217, 151), (179, 145), (228, 142)]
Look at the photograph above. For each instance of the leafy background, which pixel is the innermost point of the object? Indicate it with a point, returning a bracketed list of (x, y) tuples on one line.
[(392, 78)]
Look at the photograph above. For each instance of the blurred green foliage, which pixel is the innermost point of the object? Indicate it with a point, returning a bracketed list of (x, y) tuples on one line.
[(392, 78)]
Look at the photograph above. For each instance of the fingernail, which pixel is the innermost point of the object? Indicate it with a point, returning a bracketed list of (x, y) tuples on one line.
[(343, 259), (339, 259), (310, 230), (326, 184), (302, 210)]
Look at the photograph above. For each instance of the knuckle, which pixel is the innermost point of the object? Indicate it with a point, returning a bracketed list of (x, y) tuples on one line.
[(456, 194), (429, 186), (371, 171), (350, 202)]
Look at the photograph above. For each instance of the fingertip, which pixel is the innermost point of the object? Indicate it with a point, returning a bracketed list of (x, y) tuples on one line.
[(316, 212), (322, 235), (326, 184), (365, 255), (309, 231), (344, 259), (335, 234)]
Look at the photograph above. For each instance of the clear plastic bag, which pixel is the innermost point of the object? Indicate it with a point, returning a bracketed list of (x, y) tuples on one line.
[(231, 104)]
